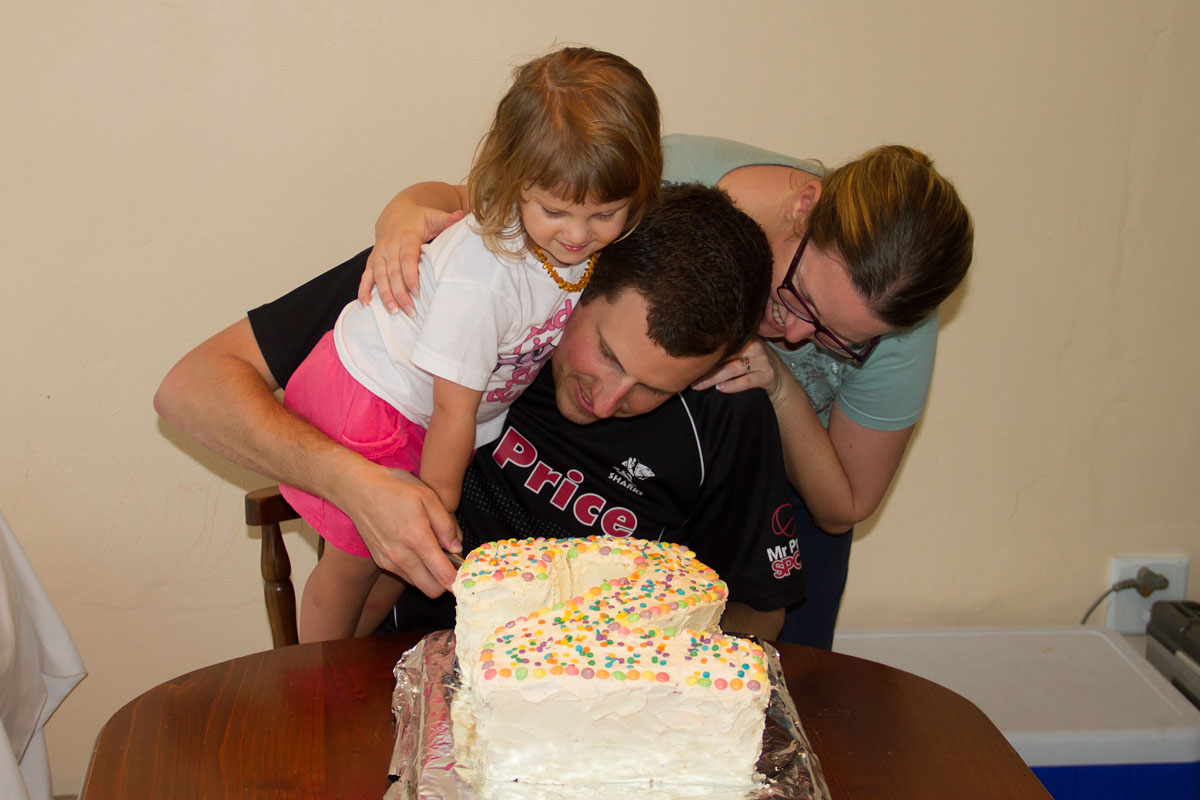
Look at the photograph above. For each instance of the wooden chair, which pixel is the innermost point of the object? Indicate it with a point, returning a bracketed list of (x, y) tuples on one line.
[(266, 509)]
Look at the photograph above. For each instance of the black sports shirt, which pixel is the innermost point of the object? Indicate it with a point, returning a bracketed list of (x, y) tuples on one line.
[(704, 468)]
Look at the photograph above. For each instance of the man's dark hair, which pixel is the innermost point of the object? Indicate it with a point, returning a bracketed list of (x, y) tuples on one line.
[(703, 267)]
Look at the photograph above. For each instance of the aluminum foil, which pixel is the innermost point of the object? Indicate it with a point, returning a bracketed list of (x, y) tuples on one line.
[(423, 766)]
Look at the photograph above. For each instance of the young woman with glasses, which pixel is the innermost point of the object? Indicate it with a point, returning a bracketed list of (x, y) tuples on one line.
[(864, 254)]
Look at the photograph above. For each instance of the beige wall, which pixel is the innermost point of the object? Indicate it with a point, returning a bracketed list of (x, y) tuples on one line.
[(168, 165)]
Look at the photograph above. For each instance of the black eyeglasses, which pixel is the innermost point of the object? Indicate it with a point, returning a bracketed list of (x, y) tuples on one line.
[(791, 298)]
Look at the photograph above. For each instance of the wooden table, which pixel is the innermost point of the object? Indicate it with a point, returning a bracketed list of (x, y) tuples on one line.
[(314, 721)]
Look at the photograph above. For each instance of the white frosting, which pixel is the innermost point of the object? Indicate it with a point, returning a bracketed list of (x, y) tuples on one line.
[(598, 661)]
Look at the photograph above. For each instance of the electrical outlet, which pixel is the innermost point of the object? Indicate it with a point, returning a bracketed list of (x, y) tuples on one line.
[(1128, 611)]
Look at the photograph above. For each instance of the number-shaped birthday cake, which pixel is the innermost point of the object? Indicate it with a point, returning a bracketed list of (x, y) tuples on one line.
[(599, 661)]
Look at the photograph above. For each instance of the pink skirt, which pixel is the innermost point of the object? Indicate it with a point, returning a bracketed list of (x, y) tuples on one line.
[(324, 393)]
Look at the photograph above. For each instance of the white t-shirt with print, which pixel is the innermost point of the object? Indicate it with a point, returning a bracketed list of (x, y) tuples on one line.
[(481, 321)]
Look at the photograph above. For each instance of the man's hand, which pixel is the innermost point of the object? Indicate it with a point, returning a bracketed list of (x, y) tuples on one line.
[(404, 525)]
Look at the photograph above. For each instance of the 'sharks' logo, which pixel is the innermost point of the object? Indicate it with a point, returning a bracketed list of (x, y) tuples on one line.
[(636, 469), (630, 471)]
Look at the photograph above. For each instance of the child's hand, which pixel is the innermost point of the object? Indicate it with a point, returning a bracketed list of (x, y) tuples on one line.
[(392, 265)]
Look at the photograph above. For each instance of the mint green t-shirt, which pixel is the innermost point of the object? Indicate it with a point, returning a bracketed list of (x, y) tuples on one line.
[(886, 393)]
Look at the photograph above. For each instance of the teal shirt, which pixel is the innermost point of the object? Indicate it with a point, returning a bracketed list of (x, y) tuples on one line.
[(707, 159), (888, 392)]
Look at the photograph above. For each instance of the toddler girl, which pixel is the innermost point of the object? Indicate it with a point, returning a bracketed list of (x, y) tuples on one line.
[(571, 162)]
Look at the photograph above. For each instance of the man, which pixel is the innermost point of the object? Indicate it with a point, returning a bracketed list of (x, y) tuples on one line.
[(609, 440)]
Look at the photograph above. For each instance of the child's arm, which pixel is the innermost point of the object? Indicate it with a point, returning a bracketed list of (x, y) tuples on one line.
[(414, 216), (450, 439)]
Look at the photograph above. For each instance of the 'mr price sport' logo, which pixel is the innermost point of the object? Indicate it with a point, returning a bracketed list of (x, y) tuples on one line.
[(785, 557)]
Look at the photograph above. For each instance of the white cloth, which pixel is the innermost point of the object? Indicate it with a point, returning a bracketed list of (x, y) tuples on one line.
[(481, 322), (39, 666)]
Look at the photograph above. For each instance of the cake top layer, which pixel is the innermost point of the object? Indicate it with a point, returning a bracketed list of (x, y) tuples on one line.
[(600, 608), (664, 572)]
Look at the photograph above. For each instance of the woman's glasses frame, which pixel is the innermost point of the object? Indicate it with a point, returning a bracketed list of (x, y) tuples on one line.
[(794, 302)]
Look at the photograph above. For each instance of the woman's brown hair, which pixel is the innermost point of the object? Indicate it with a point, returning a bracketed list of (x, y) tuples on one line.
[(905, 235)]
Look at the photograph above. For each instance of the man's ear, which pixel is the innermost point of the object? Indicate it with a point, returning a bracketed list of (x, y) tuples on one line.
[(805, 197)]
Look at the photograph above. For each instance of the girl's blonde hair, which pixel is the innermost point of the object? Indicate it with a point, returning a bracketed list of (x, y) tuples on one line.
[(579, 122), (905, 235)]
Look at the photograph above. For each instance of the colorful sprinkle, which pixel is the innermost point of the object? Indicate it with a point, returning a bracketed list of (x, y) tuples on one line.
[(629, 627)]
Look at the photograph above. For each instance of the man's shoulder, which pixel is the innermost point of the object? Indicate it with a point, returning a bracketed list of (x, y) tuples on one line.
[(736, 433), (749, 407)]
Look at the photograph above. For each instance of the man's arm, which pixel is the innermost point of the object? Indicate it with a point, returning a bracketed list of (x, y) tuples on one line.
[(222, 393), (741, 618)]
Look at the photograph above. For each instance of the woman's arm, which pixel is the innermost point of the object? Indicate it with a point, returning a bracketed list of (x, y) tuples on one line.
[(221, 393), (843, 472), (414, 216), (449, 440)]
